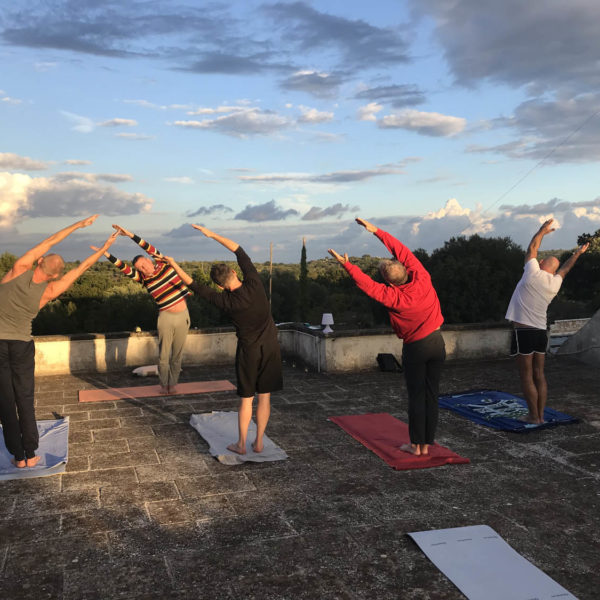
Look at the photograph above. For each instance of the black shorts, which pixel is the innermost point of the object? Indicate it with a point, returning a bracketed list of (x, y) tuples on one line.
[(258, 369), (526, 340)]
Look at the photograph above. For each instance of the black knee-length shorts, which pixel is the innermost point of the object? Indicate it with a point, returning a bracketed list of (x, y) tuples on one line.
[(258, 368)]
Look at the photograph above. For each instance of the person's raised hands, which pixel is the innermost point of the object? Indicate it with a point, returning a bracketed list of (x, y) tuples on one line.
[(368, 226), (341, 259)]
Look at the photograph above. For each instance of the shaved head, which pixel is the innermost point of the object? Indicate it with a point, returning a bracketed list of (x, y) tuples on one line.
[(52, 264), (550, 264)]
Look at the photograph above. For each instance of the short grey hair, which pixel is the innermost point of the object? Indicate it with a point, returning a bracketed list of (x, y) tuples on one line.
[(393, 271)]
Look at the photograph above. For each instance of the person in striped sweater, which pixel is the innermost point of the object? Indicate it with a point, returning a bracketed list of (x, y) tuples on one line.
[(169, 293)]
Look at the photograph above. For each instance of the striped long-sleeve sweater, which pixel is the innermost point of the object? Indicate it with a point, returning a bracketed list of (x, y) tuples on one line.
[(164, 284)]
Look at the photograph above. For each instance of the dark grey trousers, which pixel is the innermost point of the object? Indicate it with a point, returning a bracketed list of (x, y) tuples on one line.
[(422, 362), (17, 413)]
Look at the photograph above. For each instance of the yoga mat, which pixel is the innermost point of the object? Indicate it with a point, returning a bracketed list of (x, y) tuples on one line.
[(484, 567), (384, 434), (54, 437), (500, 410), (220, 428), (149, 391)]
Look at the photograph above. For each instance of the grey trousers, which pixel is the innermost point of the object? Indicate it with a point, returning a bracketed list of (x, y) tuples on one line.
[(172, 331)]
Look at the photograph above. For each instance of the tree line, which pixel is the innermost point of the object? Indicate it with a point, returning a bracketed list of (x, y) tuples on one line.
[(474, 278)]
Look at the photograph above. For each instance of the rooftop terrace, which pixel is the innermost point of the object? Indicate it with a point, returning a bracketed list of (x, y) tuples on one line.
[(144, 511)]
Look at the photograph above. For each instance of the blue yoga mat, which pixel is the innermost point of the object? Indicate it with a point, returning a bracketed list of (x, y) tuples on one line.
[(54, 438), (500, 410)]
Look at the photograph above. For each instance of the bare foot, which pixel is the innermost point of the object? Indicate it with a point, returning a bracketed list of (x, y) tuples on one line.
[(411, 449), (31, 462), (257, 447), (530, 419), (425, 449), (237, 448), (20, 464), (164, 389), (172, 389)]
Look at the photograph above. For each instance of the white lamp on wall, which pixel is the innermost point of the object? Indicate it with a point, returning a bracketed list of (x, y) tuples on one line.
[(326, 321)]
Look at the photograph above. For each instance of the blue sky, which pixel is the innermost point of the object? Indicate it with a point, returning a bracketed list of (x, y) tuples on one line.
[(273, 121)]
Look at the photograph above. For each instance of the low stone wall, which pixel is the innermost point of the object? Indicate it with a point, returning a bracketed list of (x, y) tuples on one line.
[(340, 351)]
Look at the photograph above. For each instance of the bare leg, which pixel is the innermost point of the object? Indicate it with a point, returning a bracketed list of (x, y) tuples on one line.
[(244, 417), (539, 380), (263, 412), (525, 365)]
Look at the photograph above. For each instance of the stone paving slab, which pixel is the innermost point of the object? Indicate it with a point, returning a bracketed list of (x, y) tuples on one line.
[(144, 511)]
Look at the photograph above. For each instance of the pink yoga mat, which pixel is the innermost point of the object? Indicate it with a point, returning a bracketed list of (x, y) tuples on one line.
[(148, 391), (384, 434)]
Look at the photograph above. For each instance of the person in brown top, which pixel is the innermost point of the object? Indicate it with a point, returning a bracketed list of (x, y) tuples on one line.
[(33, 281), (258, 356)]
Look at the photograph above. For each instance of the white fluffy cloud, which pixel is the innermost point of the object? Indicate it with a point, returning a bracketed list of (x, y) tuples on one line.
[(312, 115), (67, 194), (426, 123), (11, 161), (242, 123), (368, 112), (119, 123)]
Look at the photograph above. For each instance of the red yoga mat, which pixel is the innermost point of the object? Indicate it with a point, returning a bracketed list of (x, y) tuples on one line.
[(149, 391), (383, 434)]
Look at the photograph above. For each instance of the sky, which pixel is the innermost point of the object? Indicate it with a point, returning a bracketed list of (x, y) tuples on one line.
[(274, 122)]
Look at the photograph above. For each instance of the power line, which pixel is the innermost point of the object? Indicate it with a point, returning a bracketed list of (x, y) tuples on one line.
[(512, 187)]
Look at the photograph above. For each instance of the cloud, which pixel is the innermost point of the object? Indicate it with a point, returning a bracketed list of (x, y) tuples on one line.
[(242, 123), (312, 115), (183, 180), (218, 110), (425, 123), (321, 85), (14, 162), (93, 177), (80, 123), (22, 196), (333, 177), (337, 210), (134, 136), (183, 231), (209, 210), (118, 123), (76, 161), (42, 66), (368, 112), (268, 211), (398, 96), (9, 100), (235, 64), (551, 45), (354, 43), (555, 131)]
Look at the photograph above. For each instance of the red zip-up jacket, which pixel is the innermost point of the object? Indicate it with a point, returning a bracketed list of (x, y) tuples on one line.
[(413, 307)]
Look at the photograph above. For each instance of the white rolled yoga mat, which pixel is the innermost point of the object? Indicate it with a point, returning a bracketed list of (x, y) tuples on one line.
[(484, 567), (220, 428), (54, 438)]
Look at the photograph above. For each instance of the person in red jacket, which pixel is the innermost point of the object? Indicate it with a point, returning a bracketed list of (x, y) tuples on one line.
[(416, 317)]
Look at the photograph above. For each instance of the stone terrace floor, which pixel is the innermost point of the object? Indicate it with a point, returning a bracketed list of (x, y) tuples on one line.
[(144, 511)]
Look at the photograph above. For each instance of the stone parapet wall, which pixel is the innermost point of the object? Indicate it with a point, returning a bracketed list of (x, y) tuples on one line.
[(343, 350)]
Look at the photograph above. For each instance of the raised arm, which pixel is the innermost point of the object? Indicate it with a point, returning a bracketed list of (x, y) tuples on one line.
[(182, 274), (56, 288), (128, 271), (229, 244), (26, 261), (396, 248), (568, 264), (146, 246), (536, 240)]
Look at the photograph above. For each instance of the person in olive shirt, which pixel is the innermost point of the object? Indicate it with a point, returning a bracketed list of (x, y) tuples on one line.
[(35, 279), (258, 356)]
